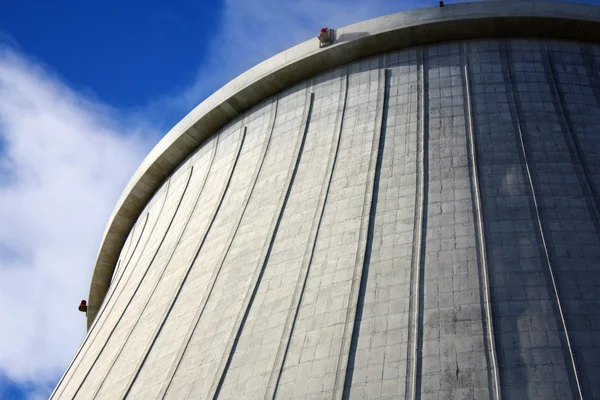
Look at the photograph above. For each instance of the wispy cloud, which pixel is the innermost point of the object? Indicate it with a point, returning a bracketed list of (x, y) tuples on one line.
[(63, 161), (251, 31), (31, 389)]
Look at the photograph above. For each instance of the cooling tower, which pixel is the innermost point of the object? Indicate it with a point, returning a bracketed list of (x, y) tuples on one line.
[(410, 211)]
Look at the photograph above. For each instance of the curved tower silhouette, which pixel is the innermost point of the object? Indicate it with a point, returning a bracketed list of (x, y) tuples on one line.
[(409, 210)]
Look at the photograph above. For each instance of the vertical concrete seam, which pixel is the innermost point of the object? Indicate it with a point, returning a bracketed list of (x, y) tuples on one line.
[(111, 284), (125, 265), (96, 316), (119, 269), (264, 257), (564, 117), (219, 264), (121, 261), (358, 284), (128, 255), (134, 230), (591, 68), (593, 75), (139, 315), (296, 301), (92, 329), (517, 112), (581, 171), (419, 232), (171, 303), (125, 252), (183, 348), (114, 275), (97, 356), (490, 344), (124, 268)]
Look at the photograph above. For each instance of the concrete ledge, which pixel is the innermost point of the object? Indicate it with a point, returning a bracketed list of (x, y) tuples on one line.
[(514, 18)]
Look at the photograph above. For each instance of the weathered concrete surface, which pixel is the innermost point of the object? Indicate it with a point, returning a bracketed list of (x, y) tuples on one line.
[(421, 223), (460, 21)]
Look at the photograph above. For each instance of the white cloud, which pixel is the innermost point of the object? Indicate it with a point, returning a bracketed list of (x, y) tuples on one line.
[(250, 31), (64, 160)]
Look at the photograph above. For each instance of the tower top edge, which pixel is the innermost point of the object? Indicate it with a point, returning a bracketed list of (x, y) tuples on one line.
[(471, 20)]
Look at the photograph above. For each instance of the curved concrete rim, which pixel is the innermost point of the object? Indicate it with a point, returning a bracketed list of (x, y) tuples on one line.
[(513, 18)]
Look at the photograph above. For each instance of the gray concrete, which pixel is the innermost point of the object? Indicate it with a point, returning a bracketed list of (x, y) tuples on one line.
[(511, 18), (423, 223)]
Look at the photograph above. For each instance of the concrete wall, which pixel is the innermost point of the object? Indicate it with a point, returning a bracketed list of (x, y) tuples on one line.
[(462, 21), (419, 224)]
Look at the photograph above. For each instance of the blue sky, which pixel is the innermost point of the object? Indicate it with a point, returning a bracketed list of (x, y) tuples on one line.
[(86, 90), (121, 52)]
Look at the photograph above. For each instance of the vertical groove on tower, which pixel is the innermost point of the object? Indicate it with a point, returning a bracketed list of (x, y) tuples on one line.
[(264, 257), (124, 252), (115, 271), (292, 316), (484, 286), (135, 246), (127, 255), (106, 301), (419, 232), (116, 277), (519, 117), (490, 292), (139, 315), (117, 268), (93, 329), (593, 74), (134, 230), (164, 235), (108, 295), (591, 68), (132, 254), (129, 258), (124, 267), (365, 239), (564, 118), (200, 309), (211, 220)]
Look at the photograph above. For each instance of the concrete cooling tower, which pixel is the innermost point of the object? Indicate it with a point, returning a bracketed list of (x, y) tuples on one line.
[(404, 208)]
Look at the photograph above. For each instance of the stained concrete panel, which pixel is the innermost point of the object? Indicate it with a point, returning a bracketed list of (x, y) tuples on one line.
[(419, 223)]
